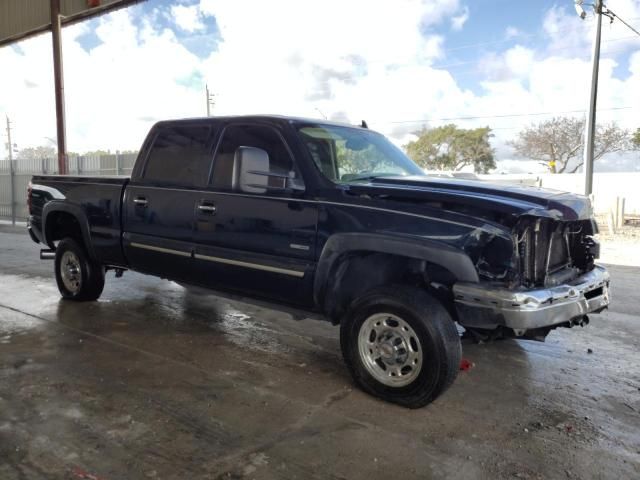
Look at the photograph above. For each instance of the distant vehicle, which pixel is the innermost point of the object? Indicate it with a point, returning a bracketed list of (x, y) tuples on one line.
[(333, 221)]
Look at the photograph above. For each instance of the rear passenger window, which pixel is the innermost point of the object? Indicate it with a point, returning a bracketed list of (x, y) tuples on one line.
[(280, 162), (180, 155)]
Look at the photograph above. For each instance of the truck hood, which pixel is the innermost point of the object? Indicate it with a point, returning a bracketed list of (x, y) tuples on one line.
[(509, 199)]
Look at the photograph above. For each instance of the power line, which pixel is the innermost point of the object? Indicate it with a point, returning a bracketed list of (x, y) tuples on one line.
[(550, 50), (493, 42), (474, 71), (493, 127), (612, 15), (450, 66), (479, 44), (479, 61), (508, 115), (514, 39)]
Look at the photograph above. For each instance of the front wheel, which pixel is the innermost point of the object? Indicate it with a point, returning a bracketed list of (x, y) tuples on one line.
[(401, 344), (78, 277)]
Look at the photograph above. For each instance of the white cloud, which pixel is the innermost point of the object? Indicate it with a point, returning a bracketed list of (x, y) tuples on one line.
[(325, 60), (458, 21), (516, 62), (379, 65), (187, 17), (511, 32), (114, 92)]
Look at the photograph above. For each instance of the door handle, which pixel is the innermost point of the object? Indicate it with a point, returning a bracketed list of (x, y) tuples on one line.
[(140, 201), (207, 209)]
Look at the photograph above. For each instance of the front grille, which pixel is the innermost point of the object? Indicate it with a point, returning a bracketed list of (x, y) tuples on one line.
[(551, 251)]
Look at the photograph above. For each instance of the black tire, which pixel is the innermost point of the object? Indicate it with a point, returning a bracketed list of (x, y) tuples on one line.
[(439, 343), (88, 285)]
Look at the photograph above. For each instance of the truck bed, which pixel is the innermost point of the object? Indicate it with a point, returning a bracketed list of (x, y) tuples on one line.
[(98, 199)]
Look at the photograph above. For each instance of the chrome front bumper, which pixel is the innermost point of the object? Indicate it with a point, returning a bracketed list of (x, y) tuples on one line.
[(485, 306)]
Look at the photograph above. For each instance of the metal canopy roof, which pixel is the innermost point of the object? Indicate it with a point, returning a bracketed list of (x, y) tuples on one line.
[(20, 19)]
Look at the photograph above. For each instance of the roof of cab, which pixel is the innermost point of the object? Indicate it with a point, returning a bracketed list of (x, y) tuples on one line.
[(261, 117)]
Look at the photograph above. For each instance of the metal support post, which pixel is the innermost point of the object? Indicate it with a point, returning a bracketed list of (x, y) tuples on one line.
[(59, 86)]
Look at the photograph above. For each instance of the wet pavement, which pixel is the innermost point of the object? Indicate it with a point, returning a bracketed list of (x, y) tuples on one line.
[(155, 381)]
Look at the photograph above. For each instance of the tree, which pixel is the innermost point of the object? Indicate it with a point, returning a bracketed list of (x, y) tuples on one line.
[(96, 153), (100, 152), (353, 161), (636, 139), (37, 153), (451, 148), (558, 144)]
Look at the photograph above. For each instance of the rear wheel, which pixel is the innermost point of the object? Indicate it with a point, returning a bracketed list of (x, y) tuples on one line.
[(78, 277), (401, 344)]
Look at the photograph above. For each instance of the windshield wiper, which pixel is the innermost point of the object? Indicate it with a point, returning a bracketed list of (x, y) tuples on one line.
[(370, 176)]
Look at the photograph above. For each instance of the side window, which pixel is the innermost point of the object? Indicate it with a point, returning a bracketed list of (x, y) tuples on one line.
[(280, 162), (180, 155)]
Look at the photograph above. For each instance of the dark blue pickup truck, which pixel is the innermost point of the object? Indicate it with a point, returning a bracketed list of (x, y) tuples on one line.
[(334, 221)]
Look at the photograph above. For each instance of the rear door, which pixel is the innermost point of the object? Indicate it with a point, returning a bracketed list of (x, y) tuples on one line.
[(159, 204), (262, 244)]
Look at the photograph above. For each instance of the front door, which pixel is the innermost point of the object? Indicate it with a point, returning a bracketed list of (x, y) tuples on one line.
[(261, 244)]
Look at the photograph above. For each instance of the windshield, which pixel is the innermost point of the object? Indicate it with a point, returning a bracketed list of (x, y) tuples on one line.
[(345, 154)]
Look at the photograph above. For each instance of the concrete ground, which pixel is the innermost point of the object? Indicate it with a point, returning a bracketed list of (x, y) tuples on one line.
[(154, 381)]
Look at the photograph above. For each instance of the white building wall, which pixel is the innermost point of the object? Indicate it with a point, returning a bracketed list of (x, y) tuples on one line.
[(606, 186)]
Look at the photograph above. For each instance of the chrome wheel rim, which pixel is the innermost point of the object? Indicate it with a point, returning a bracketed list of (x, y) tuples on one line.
[(71, 272), (390, 349)]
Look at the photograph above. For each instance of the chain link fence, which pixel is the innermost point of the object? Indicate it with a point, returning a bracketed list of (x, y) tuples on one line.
[(15, 176)]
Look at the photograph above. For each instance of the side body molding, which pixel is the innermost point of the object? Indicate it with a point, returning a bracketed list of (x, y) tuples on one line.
[(446, 256), (54, 206)]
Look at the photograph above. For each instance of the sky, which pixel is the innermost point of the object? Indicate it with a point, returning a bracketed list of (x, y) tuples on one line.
[(398, 64)]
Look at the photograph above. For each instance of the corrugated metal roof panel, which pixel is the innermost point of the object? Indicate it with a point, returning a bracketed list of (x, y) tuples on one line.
[(23, 18), (18, 16)]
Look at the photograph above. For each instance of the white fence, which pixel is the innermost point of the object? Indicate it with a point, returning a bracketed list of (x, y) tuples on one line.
[(607, 187), (14, 181)]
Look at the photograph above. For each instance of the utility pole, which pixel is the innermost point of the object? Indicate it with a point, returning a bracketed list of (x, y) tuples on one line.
[(59, 86), (593, 96), (11, 173), (10, 146), (210, 100)]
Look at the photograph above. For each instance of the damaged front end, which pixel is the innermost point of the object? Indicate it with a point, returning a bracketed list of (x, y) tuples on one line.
[(542, 277), (550, 252)]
